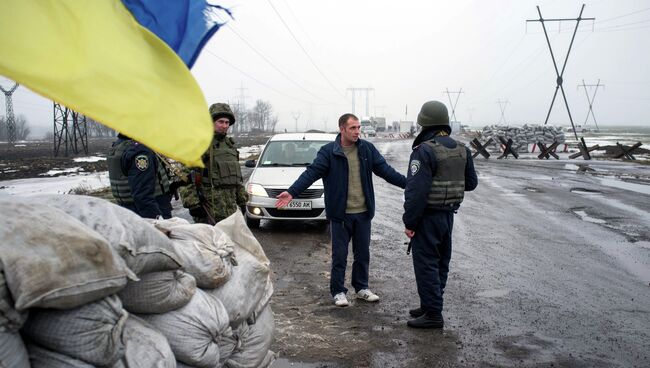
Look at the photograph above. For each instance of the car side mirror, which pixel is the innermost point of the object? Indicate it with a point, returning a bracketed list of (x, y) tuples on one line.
[(250, 163)]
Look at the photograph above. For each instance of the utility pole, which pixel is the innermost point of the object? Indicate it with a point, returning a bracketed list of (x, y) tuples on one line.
[(296, 116), (367, 90), (560, 73), (11, 119), (502, 106), (453, 104), (591, 99)]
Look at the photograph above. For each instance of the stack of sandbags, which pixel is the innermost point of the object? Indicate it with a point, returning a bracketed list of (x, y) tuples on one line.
[(55, 263), (78, 321), (523, 136), (246, 296), (236, 273)]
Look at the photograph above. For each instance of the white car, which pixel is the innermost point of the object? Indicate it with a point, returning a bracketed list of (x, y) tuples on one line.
[(284, 158)]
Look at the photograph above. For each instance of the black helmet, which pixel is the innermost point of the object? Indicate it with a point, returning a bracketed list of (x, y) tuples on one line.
[(433, 114)]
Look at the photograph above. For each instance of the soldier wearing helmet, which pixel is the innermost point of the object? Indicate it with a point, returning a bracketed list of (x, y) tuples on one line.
[(441, 169), (220, 191)]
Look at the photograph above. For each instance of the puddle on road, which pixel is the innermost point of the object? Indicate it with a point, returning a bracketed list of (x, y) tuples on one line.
[(534, 190), (494, 293), (586, 192), (639, 188), (585, 217)]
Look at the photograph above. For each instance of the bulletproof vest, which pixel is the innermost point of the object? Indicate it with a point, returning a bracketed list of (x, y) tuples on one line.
[(448, 185), (224, 169), (120, 181)]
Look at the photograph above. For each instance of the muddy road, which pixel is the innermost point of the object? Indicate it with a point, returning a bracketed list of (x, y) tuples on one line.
[(551, 267)]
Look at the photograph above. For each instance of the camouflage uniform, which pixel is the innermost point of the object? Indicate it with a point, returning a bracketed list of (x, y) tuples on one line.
[(222, 181)]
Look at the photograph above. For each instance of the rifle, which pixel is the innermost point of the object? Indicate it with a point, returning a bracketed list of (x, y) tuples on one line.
[(195, 178)]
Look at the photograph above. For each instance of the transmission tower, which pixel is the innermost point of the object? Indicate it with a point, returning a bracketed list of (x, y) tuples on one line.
[(70, 130), (241, 107), (11, 120), (502, 106), (296, 116), (367, 90), (591, 99), (455, 103), (560, 73)]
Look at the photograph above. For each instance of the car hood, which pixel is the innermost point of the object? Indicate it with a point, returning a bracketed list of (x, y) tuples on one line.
[(278, 177)]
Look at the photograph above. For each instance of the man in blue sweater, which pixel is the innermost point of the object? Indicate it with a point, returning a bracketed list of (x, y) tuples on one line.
[(346, 167)]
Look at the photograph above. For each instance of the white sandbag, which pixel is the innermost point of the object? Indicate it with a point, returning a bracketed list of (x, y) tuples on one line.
[(198, 333), (40, 357), (10, 319), (12, 351), (144, 248), (144, 347), (244, 291), (255, 341), (91, 333), (235, 227), (158, 292), (52, 260), (205, 251), (249, 284)]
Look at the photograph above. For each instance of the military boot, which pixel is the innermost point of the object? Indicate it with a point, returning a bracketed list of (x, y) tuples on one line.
[(415, 313), (427, 320)]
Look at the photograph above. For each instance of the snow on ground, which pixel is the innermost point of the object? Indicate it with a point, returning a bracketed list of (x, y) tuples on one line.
[(63, 171), (56, 185), (246, 152), (89, 159)]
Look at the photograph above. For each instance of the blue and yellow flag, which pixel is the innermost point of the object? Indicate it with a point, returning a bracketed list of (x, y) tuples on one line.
[(95, 58)]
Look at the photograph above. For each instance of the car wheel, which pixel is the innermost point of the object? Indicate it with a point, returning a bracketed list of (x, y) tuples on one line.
[(252, 223)]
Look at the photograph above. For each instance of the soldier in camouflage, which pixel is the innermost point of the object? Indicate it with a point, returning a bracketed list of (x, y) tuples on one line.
[(217, 191)]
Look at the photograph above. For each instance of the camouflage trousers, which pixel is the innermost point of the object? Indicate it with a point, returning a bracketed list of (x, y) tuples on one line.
[(222, 202)]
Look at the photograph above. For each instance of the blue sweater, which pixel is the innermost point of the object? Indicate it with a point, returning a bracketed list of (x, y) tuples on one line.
[(331, 165)]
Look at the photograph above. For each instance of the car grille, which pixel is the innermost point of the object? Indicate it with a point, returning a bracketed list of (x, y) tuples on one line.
[(295, 213), (307, 194)]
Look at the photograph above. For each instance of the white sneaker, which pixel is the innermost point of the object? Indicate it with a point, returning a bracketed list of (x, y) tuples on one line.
[(367, 295), (340, 300)]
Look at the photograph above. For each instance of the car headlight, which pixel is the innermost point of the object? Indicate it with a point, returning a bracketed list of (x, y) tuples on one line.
[(256, 190)]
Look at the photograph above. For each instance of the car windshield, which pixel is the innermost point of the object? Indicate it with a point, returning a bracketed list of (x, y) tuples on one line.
[(290, 153)]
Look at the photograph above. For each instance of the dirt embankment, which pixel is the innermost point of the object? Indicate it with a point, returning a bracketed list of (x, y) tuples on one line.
[(36, 158)]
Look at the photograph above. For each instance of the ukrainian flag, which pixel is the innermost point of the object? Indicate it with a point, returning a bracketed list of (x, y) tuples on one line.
[(96, 58)]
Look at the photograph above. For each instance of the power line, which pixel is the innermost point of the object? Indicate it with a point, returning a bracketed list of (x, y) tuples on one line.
[(275, 67), (305, 51), (621, 16), (253, 78)]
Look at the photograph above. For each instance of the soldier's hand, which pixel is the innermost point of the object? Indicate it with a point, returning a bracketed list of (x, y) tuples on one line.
[(283, 199), (409, 233)]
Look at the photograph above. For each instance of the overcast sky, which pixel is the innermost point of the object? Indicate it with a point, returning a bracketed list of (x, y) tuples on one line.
[(302, 56)]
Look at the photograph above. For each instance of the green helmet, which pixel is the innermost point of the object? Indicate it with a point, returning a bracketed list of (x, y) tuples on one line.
[(219, 110), (434, 114)]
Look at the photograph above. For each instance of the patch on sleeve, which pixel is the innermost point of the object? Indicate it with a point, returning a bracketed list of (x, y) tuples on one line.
[(142, 162), (414, 167)]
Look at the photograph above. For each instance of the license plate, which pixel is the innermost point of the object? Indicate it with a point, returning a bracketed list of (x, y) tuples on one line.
[(298, 205)]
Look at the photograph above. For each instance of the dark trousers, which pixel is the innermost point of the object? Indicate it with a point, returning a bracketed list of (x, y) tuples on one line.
[(356, 227), (431, 248)]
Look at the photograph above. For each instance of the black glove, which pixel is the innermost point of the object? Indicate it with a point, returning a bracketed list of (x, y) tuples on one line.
[(177, 184), (198, 212)]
